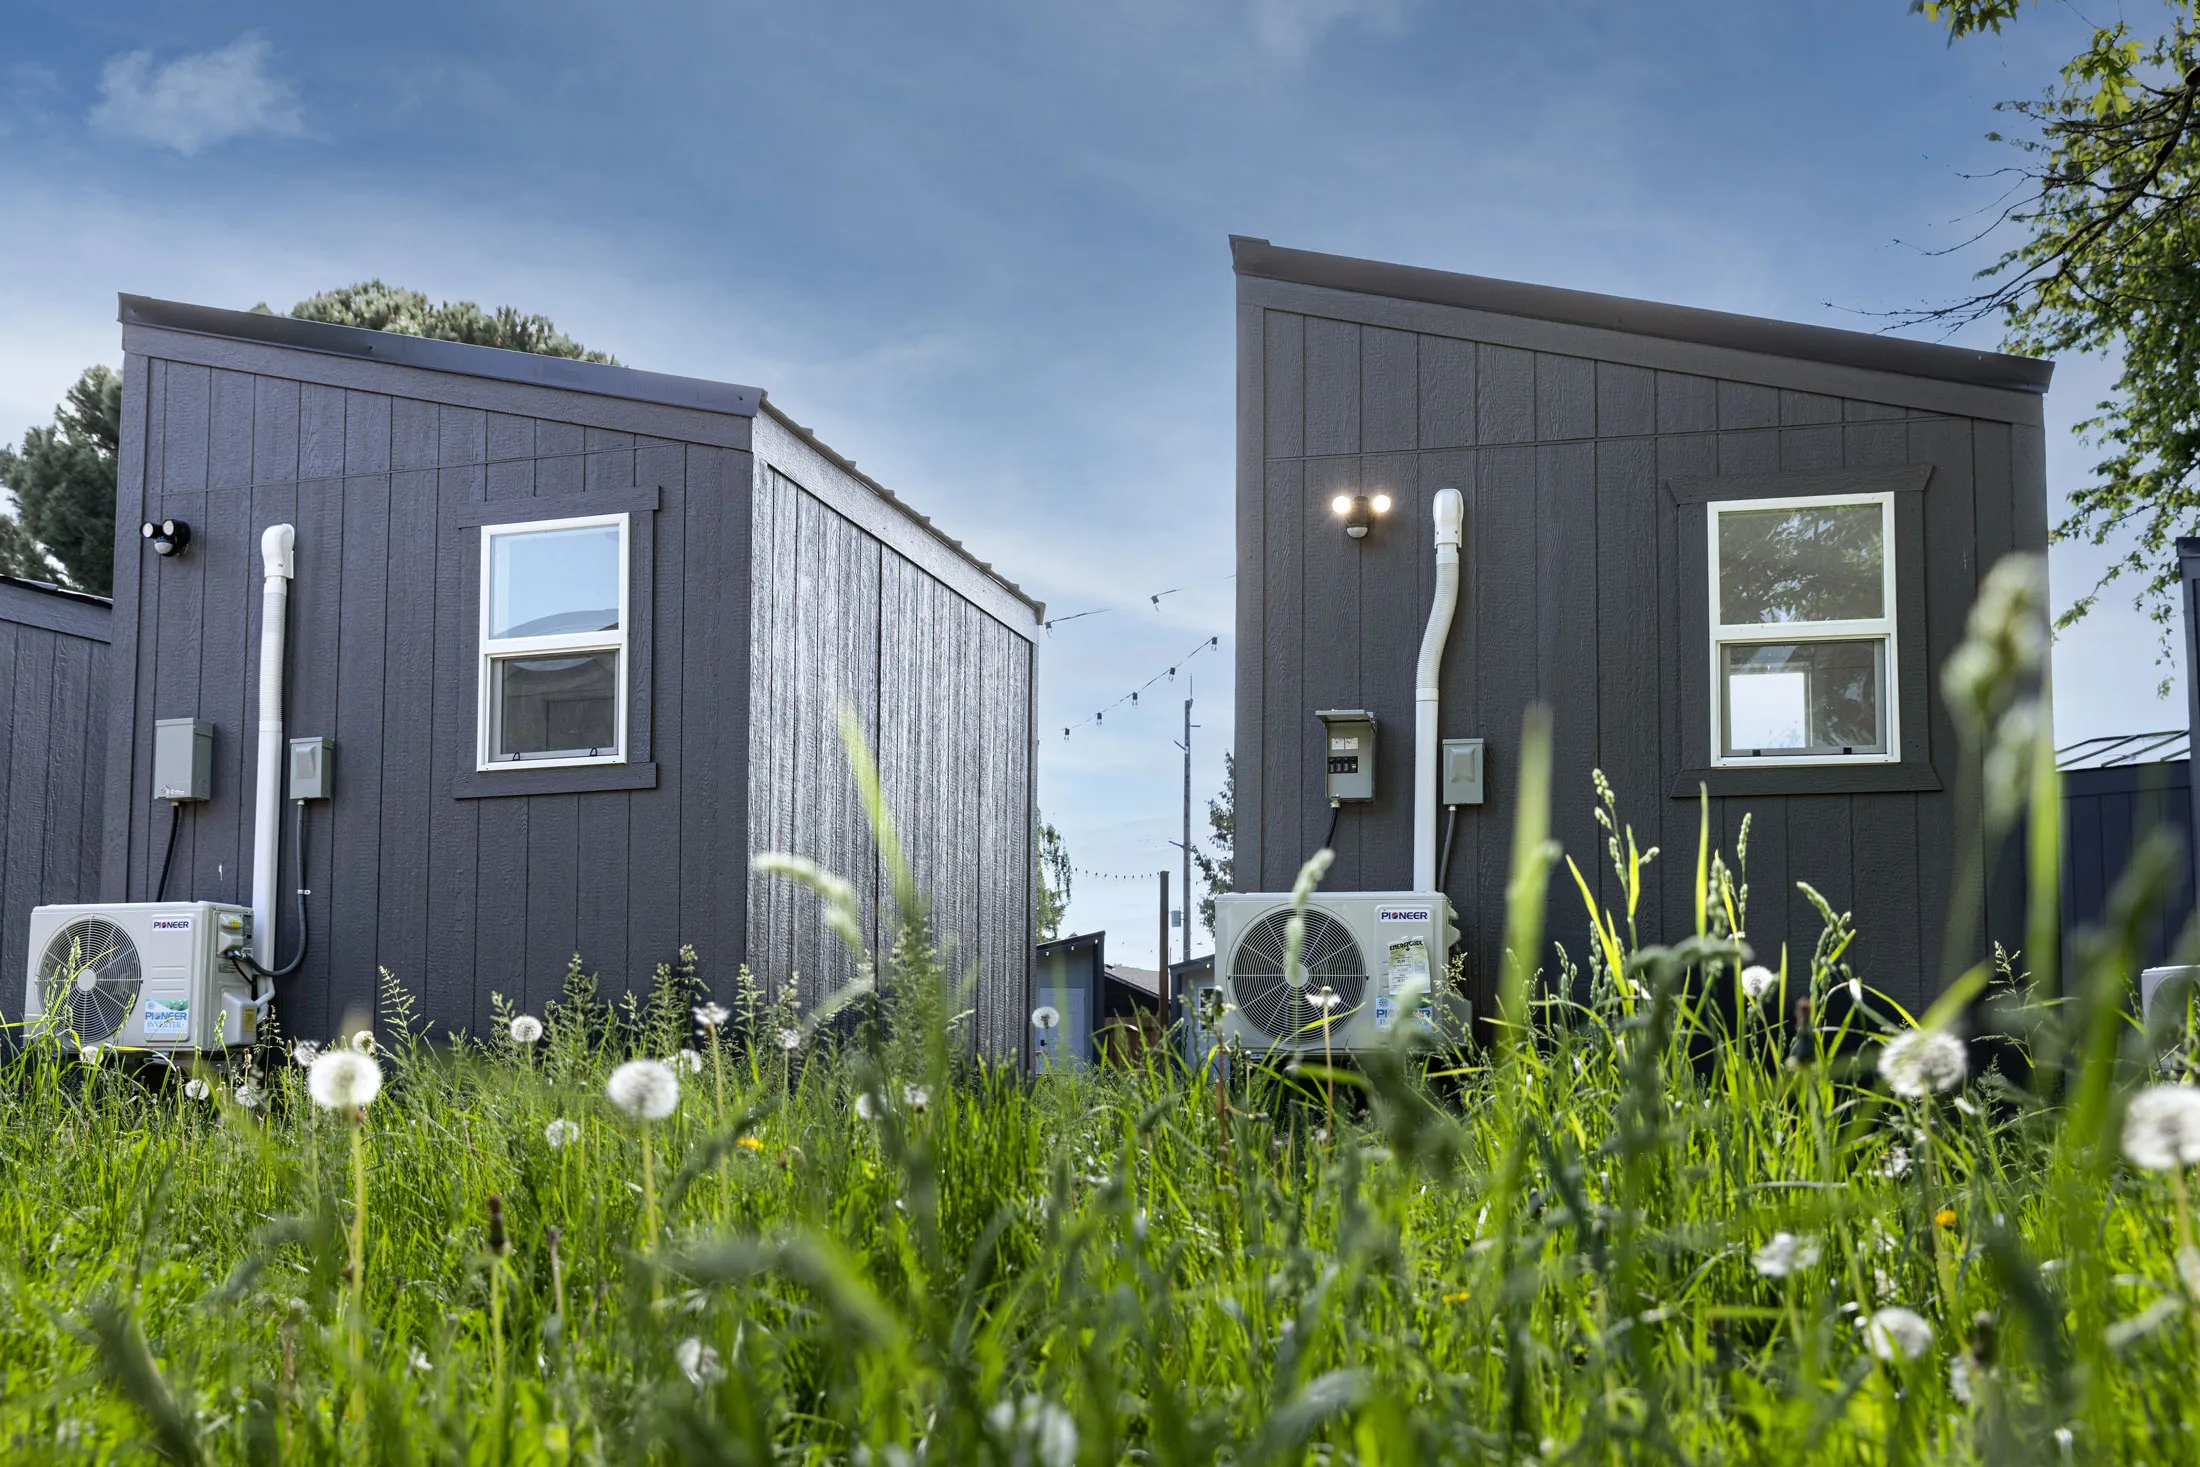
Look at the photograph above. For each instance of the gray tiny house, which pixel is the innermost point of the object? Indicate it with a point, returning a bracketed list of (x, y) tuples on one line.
[(580, 635), (1633, 475)]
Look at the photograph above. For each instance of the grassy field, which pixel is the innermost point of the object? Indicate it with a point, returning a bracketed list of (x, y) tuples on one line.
[(1658, 1220)]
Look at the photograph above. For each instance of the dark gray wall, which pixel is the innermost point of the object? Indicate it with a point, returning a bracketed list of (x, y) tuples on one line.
[(53, 720), (457, 896), (1576, 449)]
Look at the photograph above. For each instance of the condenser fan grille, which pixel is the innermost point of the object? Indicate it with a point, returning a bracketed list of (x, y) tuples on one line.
[(89, 978), (1331, 959)]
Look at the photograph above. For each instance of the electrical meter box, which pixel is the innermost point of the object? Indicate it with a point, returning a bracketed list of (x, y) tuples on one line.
[(183, 759), (1462, 772), (1348, 743)]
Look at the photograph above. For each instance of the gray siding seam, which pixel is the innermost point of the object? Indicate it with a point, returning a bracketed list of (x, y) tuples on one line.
[(1662, 353), (69, 616)]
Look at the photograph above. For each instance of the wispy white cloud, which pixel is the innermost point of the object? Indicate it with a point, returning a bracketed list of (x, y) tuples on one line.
[(1292, 28), (194, 102)]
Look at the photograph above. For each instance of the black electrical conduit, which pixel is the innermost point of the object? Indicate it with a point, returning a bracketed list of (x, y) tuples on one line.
[(242, 961)]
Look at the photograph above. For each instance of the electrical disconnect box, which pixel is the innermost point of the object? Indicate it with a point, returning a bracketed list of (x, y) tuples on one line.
[(1462, 772), (183, 759), (312, 771), (1348, 740)]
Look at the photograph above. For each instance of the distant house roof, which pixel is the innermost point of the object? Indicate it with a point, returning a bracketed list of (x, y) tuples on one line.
[(531, 369), (1142, 979), (1259, 259), (2110, 751), (55, 608)]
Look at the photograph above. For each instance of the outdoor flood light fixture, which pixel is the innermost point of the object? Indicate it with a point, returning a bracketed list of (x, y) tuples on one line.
[(1358, 511), (168, 536)]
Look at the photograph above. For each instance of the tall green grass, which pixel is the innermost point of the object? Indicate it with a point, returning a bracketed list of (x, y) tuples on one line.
[(1650, 1224)]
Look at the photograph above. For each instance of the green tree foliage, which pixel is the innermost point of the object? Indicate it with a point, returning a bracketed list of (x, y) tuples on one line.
[(1218, 866), (2110, 207), (1054, 876), (63, 480), (380, 307)]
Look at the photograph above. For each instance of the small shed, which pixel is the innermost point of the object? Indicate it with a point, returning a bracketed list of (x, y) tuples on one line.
[(2115, 789), (53, 710), (581, 635), (1638, 481)]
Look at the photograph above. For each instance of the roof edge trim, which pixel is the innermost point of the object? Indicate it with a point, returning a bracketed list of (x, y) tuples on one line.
[(1258, 259), (457, 358)]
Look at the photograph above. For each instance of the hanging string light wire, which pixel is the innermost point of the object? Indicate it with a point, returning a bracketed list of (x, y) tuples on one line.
[(1154, 601), (1166, 674)]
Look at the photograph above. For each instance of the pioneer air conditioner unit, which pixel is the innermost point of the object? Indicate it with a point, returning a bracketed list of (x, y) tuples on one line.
[(1361, 950), (140, 975)]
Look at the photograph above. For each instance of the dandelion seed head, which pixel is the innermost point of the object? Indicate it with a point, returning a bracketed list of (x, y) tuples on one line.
[(1923, 1062), (713, 1015), (1324, 998), (698, 1362), (687, 1060), (916, 1097), (526, 1029), (304, 1053), (1757, 981), (561, 1133), (1897, 1162), (790, 1040), (866, 1108), (1895, 1333), (342, 1080), (1046, 1016), (363, 1042), (1784, 1254), (1959, 1379), (644, 1089), (90, 1053), (197, 1089), (2162, 1127), (248, 1097)]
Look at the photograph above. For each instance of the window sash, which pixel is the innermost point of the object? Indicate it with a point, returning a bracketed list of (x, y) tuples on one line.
[(497, 649), (1724, 634)]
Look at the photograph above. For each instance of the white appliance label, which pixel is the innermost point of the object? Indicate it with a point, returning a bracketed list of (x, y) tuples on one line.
[(171, 924), (168, 1018), (1408, 963), (1404, 914), (1343, 746)]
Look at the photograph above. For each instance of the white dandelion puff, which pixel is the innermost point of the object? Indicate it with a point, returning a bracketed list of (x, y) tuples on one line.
[(248, 1097), (713, 1015), (1959, 1379), (304, 1053), (1045, 1434), (916, 1097), (561, 1133), (1922, 1062), (526, 1029), (688, 1060), (866, 1108), (1895, 1333), (1046, 1016), (1784, 1254), (418, 1360), (644, 1089), (197, 1089), (1897, 1162), (342, 1080), (698, 1362), (363, 1042), (2162, 1127), (1757, 981), (790, 1039), (1325, 998), (90, 1053)]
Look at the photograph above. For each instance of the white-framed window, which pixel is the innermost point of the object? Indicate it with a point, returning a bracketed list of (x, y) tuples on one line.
[(1803, 635), (554, 620)]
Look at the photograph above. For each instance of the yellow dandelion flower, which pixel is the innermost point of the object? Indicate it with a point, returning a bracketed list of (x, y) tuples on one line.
[(751, 1143), (1945, 1218), (1458, 1298)]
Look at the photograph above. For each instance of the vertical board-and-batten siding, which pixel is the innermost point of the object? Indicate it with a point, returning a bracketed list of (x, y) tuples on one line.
[(1562, 439), (856, 606), (53, 708), (373, 462)]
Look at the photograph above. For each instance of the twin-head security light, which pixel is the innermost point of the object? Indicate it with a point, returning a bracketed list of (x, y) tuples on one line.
[(1358, 511), (168, 537)]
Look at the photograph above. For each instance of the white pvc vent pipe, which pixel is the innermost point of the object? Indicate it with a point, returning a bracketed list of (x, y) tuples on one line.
[(277, 552), (1450, 513)]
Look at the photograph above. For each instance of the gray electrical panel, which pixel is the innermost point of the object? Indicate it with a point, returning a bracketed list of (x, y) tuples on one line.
[(1348, 744), (183, 759), (312, 769), (1460, 772)]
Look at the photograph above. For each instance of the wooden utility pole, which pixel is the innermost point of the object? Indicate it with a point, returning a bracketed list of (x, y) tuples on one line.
[(1161, 979)]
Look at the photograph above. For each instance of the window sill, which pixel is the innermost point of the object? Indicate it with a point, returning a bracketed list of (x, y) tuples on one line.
[(1809, 779), (572, 779)]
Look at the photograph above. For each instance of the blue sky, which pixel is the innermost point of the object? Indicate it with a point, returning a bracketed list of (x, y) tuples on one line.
[(981, 246)]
